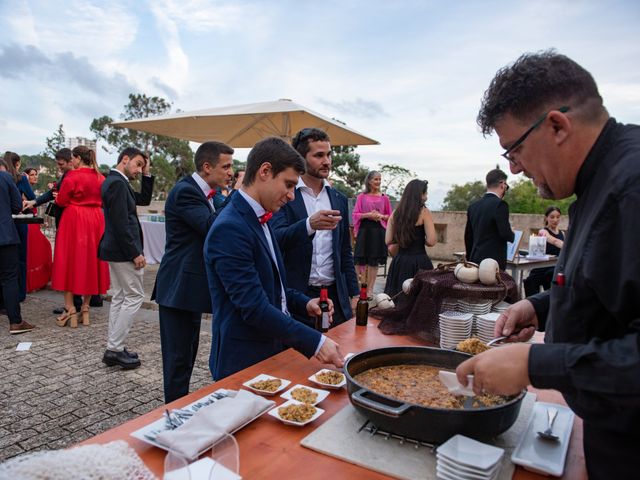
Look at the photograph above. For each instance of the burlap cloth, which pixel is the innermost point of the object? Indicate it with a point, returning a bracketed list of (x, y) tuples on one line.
[(417, 312)]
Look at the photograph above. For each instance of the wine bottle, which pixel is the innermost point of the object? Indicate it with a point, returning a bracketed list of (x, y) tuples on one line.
[(362, 307), (322, 320)]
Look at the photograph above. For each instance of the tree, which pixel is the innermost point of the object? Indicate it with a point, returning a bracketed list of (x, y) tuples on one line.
[(55, 142), (523, 198), (348, 174), (459, 197), (177, 153), (394, 179)]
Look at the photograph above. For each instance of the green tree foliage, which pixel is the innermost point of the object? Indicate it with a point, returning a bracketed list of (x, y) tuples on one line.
[(522, 197), (55, 142), (459, 197), (348, 174), (175, 152), (394, 179)]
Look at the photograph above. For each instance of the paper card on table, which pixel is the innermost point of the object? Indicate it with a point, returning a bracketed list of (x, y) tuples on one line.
[(23, 346)]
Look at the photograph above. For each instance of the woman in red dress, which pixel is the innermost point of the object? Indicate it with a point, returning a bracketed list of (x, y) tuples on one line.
[(76, 267), (38, 248)]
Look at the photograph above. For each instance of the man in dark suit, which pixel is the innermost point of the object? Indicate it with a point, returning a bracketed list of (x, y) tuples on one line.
[(122, 247), (181, 287), (247, 283), (488, 229), (313, 231), (10, 203)]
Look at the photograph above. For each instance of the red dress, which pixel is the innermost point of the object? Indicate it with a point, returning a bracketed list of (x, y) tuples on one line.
[(38, 258), (76, 267)]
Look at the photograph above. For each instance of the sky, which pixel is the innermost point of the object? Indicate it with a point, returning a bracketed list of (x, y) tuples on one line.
[(407, 73)]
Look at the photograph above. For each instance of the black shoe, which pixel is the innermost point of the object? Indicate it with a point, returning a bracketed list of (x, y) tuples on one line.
[(96, 301), (58, 311), (112, 358), (131, 354)]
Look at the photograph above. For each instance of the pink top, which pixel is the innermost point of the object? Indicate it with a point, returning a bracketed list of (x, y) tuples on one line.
[(367, 202)]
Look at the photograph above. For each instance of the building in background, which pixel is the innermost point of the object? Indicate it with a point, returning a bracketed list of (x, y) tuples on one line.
[(74, 142)]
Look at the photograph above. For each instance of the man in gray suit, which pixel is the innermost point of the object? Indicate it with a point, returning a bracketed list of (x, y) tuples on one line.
[(122, 247)]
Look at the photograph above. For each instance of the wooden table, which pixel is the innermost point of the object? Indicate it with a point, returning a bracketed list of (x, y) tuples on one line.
[(270, 449)]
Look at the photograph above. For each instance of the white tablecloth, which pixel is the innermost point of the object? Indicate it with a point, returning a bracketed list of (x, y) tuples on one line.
[(154, 240)]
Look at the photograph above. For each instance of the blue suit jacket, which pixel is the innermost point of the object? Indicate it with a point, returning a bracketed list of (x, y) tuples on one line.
[(181, 281), (248, 325), (10, 203), (290, 228)]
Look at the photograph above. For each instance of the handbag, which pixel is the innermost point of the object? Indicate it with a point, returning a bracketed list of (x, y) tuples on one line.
[(52, 210)]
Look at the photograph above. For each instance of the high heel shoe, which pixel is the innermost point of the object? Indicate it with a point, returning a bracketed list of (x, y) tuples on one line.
[(68, 316), (85, 315)]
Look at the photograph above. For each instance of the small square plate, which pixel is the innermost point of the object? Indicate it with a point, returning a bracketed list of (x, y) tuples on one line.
[(471, 453), (263, 376), (322, 394), (313, 379), (275, 413)]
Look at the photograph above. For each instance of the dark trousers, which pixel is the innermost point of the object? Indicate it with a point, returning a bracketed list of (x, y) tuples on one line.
[(338, 314), (9, 282), (23, 233), (179, 339), (609, 454)]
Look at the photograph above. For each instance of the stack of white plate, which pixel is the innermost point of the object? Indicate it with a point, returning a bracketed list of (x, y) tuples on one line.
[(485, 325), (474, 306), (500, 307), (454, 328), (461, 457), (449, 304)]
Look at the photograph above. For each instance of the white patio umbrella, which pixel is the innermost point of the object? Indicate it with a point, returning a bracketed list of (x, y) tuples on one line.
[(242, 126)]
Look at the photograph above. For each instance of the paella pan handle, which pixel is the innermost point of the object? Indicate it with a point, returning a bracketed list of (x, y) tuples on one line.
[(359, 398)]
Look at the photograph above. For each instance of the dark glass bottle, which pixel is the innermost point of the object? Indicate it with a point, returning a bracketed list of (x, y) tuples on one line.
[(362, 308), (322, 321)]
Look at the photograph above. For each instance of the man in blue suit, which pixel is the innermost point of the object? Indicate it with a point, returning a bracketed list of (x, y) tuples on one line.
[(313, 231), (251, 303), (181, 287)]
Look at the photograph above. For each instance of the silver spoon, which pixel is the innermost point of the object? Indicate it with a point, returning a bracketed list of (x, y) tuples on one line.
[(552, 413)]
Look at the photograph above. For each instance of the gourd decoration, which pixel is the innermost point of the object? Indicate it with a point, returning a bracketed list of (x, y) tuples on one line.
[(382, 301), (406, 285), (466, 272), (489, 271)]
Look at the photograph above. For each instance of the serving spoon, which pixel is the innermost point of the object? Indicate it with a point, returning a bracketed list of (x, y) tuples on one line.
[(552, 413)]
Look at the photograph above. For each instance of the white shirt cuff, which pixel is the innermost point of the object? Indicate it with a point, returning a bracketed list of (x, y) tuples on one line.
[(310, 231), (322, 339)]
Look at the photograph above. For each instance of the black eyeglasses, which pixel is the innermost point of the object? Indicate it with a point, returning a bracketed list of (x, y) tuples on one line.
[(303, 135), (524, 136)]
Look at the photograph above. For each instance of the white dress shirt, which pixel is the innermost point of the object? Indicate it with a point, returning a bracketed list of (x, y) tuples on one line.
[(204, 186), (321, 272)]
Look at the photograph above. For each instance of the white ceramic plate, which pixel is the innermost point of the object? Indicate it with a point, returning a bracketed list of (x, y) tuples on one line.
[(471, 453), (446, 472), (322, 394), (462, 470), (313, 379), (274, 413), (263, 376)]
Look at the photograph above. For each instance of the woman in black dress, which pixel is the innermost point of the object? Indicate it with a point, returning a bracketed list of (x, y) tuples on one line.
[(410, 228), (541, 277)]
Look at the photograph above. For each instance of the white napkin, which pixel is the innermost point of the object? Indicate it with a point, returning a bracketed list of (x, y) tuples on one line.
[(210, 423), (450, 380)]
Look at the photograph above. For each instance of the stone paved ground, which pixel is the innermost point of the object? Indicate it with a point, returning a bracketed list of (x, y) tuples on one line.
[(59, 392)]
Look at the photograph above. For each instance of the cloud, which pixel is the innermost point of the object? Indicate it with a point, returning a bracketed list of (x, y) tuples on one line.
[(22, 62), (358, 107), (203, 15)]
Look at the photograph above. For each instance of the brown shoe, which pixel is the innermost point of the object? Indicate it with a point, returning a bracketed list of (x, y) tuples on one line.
[(20, 327)]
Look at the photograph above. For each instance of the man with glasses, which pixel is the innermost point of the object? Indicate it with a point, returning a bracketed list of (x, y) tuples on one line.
[(550, 118), (488, 229), (313, 231)]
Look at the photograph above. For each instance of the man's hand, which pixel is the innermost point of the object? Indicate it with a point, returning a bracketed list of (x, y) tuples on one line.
[(28, 204), (147, 167), (313, 308), (500, 371), (139, 262), (325, 219), (521, 318), (330, 353)]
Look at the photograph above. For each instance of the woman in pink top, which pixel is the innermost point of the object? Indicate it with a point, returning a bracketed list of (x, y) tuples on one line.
[(370, 217)]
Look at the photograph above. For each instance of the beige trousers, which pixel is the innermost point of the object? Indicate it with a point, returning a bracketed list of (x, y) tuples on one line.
[(127, 297)]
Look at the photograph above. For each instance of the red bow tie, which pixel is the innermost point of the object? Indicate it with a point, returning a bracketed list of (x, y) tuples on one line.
[(211, 194), (265, 217)]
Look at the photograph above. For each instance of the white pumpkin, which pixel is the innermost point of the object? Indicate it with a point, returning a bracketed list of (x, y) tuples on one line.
[(385, 304), (466, 273), (377, 298), (406, 285), (488, 271)]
